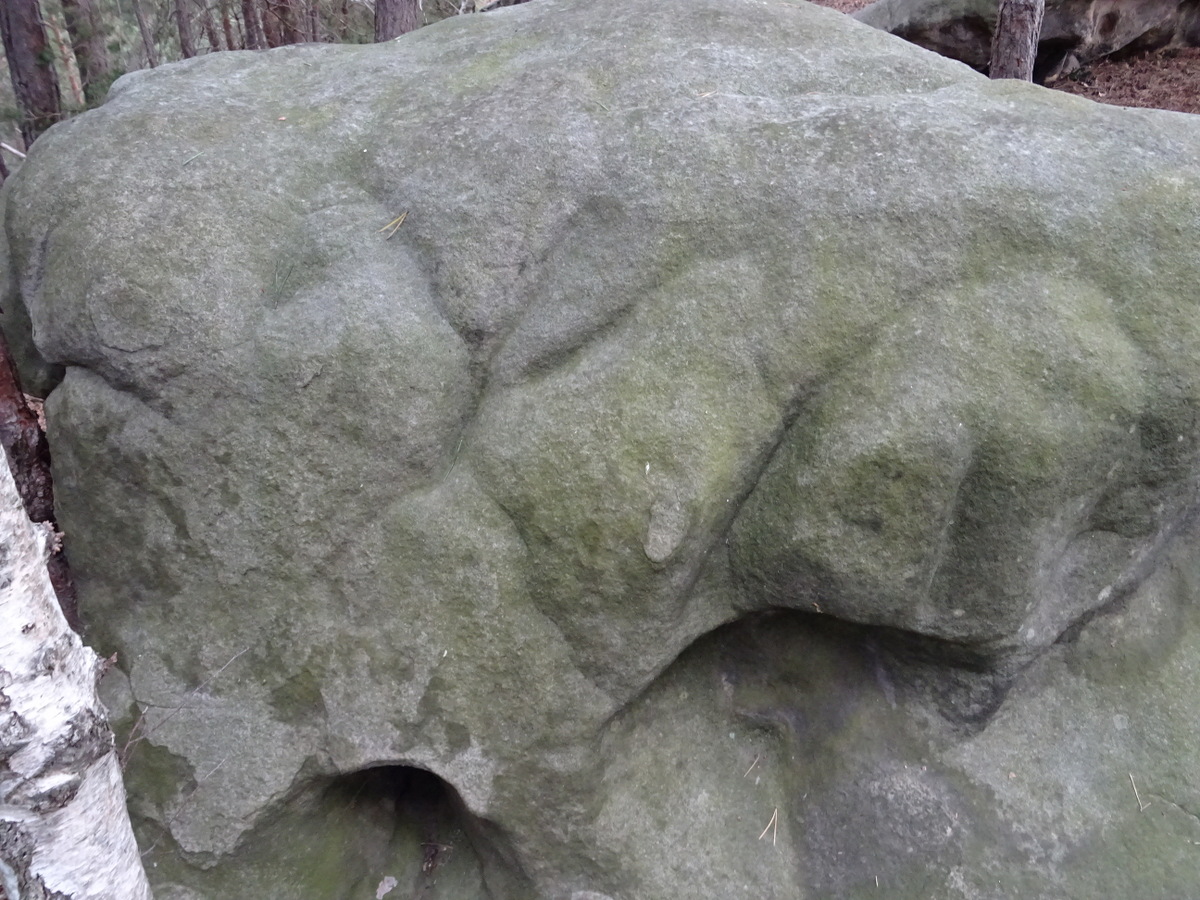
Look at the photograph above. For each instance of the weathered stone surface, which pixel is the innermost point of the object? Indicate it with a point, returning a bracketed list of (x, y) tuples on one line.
[(1073, 31), (754, 418)]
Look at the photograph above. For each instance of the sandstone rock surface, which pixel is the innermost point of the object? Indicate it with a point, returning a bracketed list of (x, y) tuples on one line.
[(755, 421), (1073, 31)]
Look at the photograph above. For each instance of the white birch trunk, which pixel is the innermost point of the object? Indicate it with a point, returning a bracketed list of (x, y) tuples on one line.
[(64, 828)]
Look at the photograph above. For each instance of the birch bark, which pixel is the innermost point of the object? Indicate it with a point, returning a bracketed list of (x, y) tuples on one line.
[(64, 828)]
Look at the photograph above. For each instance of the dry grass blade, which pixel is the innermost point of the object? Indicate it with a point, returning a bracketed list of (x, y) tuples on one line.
[(394, 225), (752, 765), (1142, 807), (139, 732), (772, 826)]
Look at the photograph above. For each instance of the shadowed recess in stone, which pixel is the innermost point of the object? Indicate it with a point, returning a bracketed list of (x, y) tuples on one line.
[(393, 828)]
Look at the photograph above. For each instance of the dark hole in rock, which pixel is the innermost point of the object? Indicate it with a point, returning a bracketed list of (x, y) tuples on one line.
[(1108, 24), (437, 847), (420, 799), (393, 830), (1051, 53)]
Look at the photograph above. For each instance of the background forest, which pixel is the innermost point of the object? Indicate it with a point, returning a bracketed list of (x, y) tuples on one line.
[(67, 53), (61, 56)]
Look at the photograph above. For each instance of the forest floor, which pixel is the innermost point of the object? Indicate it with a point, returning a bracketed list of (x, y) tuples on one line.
[(1165, 79)]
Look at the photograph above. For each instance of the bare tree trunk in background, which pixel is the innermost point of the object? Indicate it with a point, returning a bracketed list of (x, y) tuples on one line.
[(1015, 42), (396, 17), (272, 31), (65, 61), (30, 65), (288, 19), (183, 21), (229, 24), (255, 38), (91, 48), (314, 21), (210, 30), (64, 827), (292, 13), (147, 35)]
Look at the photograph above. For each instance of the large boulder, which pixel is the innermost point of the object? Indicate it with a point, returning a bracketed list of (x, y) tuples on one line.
[(759, 464), (1073, 31)]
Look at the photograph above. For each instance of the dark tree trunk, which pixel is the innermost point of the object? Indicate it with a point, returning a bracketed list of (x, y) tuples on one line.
[(147, 34), (30, 65), (187, 43), (1015, 43), (210, 31), (65, 64), (91, 48), (255, 39), (229, 26), (314, 21), (28, 457), (292, 16), (272, 30), (396, 17), (288, 18), (229, 29)]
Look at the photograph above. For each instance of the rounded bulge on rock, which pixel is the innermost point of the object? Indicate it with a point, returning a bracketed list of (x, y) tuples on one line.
[(946, 492)]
